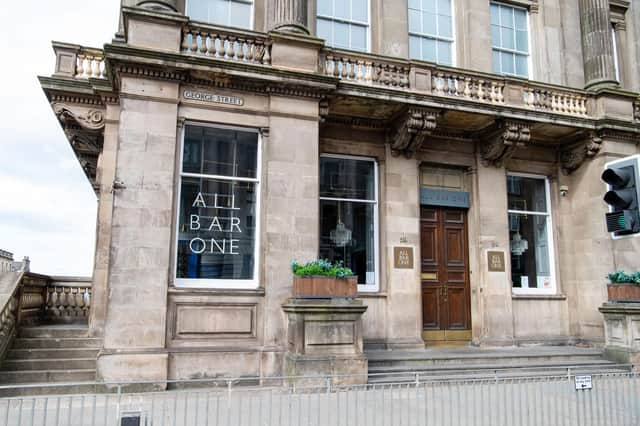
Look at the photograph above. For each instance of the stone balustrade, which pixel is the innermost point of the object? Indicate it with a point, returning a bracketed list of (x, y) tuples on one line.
[(556, 101), (219, 43), (67, 303), (8, 321), (467, 86), (365, 69), (75, 61)]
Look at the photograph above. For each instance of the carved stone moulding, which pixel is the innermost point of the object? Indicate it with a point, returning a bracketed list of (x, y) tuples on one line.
[(587, 146), (91, 120), (501, 141), (409, 130)]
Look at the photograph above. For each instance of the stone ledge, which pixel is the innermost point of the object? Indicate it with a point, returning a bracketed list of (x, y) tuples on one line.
[(539, 296)]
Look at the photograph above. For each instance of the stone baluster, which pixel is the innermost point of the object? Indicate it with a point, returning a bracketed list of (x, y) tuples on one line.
[(352, 71), (203, 42), (186, 34)]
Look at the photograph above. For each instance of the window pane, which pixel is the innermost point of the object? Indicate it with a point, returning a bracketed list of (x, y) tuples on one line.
[(526, 194), (444, 26), (347, 234), (496, 62), (444, 7), (360, 11), (342, 9), (520, 19), (324, 30), (444, 53), (495, 36), (414, 48), (530, 258), (429, 6), (341, 35), (414, 4), (507, 63), (429, 50), (219, 12), (506, 16), (414, 21), (495, 14), (324, 7), (429, 23), (346, 178), (507, 38), (217, 228), (358, 37), (522, 42), (522, 66), (240, 15), (220, 152), (198, 10)]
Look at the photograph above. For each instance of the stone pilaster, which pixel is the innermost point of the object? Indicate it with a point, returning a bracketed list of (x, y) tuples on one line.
[(290, 15), (620, 29), (597, 45)]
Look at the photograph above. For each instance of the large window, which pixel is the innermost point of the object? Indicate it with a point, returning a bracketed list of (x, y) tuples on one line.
[(217, 241), (233, 13), (431, 31), (530, 233), (349, 215), (344, 23), (510, 40)]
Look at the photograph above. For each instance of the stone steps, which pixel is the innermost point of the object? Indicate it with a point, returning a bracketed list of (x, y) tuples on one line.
[(469, 362), (51, 354)]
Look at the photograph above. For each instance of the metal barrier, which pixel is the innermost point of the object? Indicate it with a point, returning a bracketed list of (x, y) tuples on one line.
[(610, 399)]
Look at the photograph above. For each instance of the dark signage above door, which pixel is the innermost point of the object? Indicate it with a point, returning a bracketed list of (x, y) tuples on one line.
[(444, 198)]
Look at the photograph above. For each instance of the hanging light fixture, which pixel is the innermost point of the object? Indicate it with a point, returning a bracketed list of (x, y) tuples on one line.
[(518, 244), (340, 236)]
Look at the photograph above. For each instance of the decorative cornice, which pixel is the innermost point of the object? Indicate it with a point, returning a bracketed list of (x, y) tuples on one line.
[(502, 141), (148, 72), (362, 122), (572, 157), (410, 129), (76, 99), (92, 120)]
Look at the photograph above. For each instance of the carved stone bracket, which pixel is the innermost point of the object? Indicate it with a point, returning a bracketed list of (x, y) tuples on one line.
[(323, 109), (502, 141), (410, 129), (587, 146), (92, 120)]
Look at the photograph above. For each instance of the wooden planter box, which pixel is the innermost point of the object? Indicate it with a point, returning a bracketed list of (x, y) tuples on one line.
[(324, 287), (623, 292)]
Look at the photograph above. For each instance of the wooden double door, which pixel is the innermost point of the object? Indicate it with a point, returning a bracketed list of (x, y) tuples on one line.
[(446, 302)]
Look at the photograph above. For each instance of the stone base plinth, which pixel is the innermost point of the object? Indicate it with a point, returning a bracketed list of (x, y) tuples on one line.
[(324, 338), (622, 332)]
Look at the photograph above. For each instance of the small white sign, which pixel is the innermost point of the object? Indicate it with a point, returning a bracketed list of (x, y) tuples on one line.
[(583, 382)]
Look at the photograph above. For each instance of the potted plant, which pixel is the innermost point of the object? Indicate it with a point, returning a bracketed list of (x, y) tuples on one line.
[(624, 287), (323, 279)]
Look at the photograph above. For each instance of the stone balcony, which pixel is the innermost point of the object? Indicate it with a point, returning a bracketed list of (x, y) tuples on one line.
[(373, 90)]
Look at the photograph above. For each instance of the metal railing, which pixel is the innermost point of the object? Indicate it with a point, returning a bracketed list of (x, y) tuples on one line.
[(609, 399)]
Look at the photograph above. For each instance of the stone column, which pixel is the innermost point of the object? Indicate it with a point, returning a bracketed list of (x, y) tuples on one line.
[(620, 29), (597, 46), (290, 16)]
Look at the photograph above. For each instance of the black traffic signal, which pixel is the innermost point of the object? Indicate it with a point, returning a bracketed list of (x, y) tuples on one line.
[(623, 180)]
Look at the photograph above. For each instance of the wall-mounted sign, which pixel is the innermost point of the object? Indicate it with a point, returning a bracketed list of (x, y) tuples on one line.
[(495, 261), (403, 257), (583, 382), (197, 95), (444, 197)]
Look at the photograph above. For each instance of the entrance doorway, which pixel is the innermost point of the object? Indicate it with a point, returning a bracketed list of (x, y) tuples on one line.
[(446, 302)]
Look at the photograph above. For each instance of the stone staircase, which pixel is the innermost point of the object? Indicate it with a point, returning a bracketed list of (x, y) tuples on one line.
[(472, 362), (52, 354)]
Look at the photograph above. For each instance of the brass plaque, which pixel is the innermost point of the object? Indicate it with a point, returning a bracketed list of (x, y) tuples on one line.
[(403, 257), (429, 276), (495, 261)]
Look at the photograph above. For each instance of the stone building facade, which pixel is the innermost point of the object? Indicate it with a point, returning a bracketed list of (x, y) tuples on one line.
[(449, 151)]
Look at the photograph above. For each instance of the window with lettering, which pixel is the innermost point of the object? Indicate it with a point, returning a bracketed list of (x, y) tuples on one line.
[(218, 210)]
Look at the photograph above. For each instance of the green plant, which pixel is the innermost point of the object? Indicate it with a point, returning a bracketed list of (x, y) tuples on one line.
[(623, 277), (322, 267)]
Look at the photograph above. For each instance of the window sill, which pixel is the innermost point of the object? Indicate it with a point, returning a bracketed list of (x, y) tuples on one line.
[(217, 291), (539, 296), (370, 295)]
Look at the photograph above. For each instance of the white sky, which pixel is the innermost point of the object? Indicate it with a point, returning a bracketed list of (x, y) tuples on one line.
[(47, 207)]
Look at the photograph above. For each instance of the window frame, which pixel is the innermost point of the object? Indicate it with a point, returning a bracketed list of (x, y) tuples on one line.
[(514, 51), (363, 288), (550, 236), (333, 19), (436, 38), (215, 283), (228, 18)]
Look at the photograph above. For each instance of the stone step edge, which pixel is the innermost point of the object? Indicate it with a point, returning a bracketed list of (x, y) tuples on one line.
[(449, 357), (403, 369)]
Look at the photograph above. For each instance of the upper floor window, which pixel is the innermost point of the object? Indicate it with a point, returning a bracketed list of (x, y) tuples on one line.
[(233, 13), (431, 31), (510, 40), (344, 23)]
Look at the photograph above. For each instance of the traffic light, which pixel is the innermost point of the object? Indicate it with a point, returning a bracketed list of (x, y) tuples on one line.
[(623, 195)]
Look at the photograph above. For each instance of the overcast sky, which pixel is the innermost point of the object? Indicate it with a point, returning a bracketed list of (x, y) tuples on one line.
[(47, 207)]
